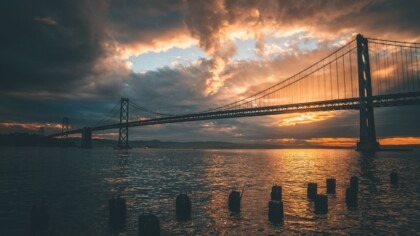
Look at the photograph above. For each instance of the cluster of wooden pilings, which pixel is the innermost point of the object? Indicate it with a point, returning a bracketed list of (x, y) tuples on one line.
[(148, 224)]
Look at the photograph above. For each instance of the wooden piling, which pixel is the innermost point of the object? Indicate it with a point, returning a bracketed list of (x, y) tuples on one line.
[(275, 211), (276, 193), (321, 204), (148, 225), (234, 201), (394, 178), (331, 186), (312, 190), (183, 207), (117, 212), (351, 198)]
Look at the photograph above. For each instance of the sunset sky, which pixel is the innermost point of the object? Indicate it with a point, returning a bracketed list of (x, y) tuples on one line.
[(78, 58)]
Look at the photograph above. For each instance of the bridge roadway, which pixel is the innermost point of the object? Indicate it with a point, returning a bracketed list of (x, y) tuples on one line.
[(399, 99)]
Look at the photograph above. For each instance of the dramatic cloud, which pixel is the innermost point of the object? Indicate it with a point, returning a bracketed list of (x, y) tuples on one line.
[(49, 45), (137, 27), (217, 23), (67, 58)]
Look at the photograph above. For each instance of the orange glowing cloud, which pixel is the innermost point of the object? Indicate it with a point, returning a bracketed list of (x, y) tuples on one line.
[(178, 38), (351, 142), (283, 140), (29, 126), (105, 135), (305, 118), (400, 141), (212, 127), (333, 142)]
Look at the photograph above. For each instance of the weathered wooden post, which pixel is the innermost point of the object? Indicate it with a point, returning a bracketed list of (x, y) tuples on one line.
[(276, 193), (351, 198), (312, 190), (331, 186), (235, 201), (275, 211), (275, 206), (183, 207), (321, 204), (117, 212), (148, 225), (394, 178)]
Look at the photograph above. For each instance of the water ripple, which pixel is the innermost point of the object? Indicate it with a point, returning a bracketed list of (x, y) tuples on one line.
[(77, 183)]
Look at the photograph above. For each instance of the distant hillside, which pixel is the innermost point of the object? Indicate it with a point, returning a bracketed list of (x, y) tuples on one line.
[(186, 145), (197, 145)]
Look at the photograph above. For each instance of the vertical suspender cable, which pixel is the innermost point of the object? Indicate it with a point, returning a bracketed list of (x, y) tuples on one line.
[(402, 68), (351, 77), (336, 70), (412, 70), (344, 75)]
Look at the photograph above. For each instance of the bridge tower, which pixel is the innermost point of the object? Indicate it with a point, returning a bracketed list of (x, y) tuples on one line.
[(64, 132), (367, 140), (123, 134)]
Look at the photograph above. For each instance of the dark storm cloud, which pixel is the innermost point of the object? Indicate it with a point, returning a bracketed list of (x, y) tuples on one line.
[(134, 21), (57, 60), (176, 90), (81, 112), (49, 45), (384, 18), (397, 121)]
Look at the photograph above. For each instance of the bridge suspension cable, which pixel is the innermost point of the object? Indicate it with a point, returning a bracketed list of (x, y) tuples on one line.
[(148, 111), (395, 69), (394, 66), (112, 114), (310, 84)]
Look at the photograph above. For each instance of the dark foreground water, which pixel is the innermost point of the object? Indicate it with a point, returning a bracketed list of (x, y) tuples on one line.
[(76, 185)]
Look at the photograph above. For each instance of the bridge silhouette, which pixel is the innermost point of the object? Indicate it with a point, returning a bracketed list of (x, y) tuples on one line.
[(363, 74)]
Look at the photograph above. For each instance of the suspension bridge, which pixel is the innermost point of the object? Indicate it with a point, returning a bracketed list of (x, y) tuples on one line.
[(361, 75)]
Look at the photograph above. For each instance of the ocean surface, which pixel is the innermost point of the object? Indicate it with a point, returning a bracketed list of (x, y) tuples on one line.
[(76, 184)]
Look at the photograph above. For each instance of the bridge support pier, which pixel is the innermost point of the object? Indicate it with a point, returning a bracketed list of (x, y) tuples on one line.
[(123, 134), (367, 141), (86, 138)]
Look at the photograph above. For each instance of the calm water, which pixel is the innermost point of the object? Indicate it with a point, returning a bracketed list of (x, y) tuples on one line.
[(76, 185)]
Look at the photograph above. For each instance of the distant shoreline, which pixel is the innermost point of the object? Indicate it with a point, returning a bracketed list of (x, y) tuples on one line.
[(34, 140)]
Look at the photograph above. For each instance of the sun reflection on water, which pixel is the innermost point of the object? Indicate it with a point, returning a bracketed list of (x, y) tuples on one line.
[(79, 183)]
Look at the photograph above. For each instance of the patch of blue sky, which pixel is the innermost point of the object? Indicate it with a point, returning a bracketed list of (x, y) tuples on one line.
[(303, 43), (308, 44), (271, 39), (153, 60), (245, 49)]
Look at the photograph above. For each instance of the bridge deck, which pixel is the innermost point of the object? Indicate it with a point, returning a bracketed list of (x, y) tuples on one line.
[(399, 99)]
